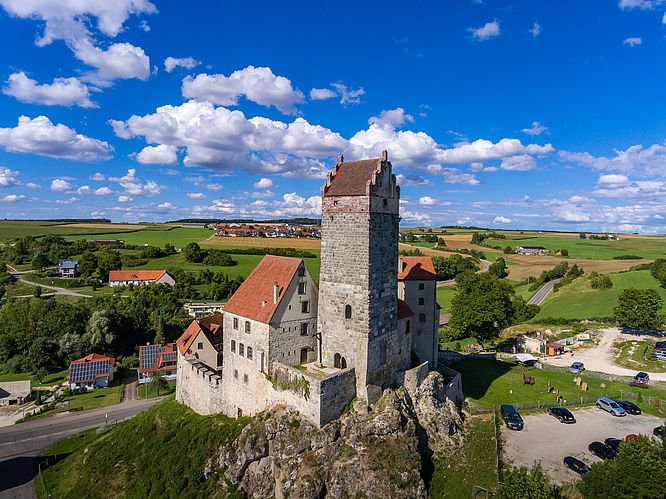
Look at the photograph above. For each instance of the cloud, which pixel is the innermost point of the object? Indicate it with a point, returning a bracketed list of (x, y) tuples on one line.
[(632, 42), (427, 201), (612, 181), (536, 29), (414, 180), (536, 129), (264, 183), (99, 177), (40, 136), (12, 198), (394, 118), (158, 155), (487, 31), (635, 160), (258, 85), (62, 92), (170, 63), (196, 195), (639, 4), (348, 95), (484, 150), (59, 185), (413, 216), (134, 187), (103, 191), (502, 220), (520, 163), (291, 205), (121, 61), (8, 178), (455, 176), (322, 94), (32, 185), (125, 199)]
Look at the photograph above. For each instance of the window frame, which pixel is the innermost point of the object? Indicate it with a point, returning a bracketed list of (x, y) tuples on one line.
[(248, 327), (233, 346), (304, 329), (305, 307), (248, 353), (235, 322), (241, 350)]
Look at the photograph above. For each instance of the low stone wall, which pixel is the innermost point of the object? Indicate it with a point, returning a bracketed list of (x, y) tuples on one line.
[(412, 378), (320, 399), (199, 387), (449, 356), (454, 389)]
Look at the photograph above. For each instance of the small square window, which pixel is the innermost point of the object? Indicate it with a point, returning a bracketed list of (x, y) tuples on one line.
[(199, 346), (235, 322), (305, 306), (241, 349), (249, 353), (421, 286), (421, 301), (422, 317), (245, 378), (236, 373), (301, 288), (247, 327), (233, 345), (304, 329)]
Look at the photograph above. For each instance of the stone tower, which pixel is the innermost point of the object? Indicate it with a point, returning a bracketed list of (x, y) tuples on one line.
[(358, 300)]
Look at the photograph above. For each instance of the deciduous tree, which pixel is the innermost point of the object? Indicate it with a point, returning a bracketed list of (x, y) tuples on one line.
[(638, 308)]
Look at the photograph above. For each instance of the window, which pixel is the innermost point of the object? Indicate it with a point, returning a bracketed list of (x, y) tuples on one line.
[(247, 327), (199, 346), (421, 286), (385, 201), (347, 311), (241, 349), (422, 318), (305, 306), (235, 322), (408, 325), (421, 301), (249, 353), (304, 329), (301, 288), (245, 378), (301, 271), (236, 373), (233, 345)]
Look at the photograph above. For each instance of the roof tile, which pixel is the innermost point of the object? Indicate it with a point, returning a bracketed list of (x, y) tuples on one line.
[(419, 268), (352, 177)]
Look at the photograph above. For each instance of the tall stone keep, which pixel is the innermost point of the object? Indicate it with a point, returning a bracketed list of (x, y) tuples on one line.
[(358, 299)]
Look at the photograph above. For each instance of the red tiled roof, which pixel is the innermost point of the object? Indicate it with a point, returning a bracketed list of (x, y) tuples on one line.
[(209, 325), (135, 275), (403, 310), (416, 268), (254, 298), (95, 357), (352, 177)]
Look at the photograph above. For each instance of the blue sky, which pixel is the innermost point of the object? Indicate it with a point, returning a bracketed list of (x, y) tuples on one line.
[(531, 115)]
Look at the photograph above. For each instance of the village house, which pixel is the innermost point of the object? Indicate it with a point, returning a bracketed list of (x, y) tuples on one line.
[(202, 341), (106, 242), (160, 360), (91, 371), (203, 309), (67, 268), (136, 277), (530, 250)]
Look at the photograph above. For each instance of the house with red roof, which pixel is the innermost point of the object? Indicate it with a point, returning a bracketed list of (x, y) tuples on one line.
[(136, 277), (91, 371), (202, 341), (160, 360)]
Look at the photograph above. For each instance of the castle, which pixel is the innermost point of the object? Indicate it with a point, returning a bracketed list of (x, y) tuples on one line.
[(371, 324)]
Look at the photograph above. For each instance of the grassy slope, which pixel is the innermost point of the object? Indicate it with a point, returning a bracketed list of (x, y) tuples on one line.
[(595, 250), (157, 236), (579, 301), (151, 390), (159, 453), (488, 382), (444, 296), (50, 380)]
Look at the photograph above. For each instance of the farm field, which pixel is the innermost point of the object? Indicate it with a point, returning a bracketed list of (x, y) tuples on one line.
[(13, 229), (157, 236), (265, 242), (579, 301)]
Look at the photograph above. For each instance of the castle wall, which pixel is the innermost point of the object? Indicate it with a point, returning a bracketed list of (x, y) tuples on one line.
[(199, 388)]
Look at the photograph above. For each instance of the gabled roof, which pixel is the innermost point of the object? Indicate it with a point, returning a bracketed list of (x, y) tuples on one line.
[(418, 268), (403, 310), (208, 325), (135, 275), (254, 298), (95, 357), (352, 177)]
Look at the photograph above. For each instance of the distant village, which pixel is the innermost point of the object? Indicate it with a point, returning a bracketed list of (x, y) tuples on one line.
[(257, 230)]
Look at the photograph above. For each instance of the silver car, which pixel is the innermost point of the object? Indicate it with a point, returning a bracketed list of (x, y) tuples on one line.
[(610, 406)]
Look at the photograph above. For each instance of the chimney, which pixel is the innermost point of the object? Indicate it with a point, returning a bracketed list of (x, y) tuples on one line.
[(276, 292)]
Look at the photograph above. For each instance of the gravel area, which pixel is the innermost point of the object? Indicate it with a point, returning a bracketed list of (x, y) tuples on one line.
[(547, 440)]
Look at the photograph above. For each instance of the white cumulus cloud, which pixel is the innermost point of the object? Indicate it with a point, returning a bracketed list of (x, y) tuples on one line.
[(427, 201), (158, 155), (60, 185), (62, 92), (536, 129), (170, 63), (196, 195), (502, 220), (8, 178), (487, 31), (121, 61), (519, 163), (536, 29), (633, 41), (12, 198), (263, 183), (134, 187), (322, 94)]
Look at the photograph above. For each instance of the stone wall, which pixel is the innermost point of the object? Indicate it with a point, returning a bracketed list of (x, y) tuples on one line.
[(200, 388), (412, 378)]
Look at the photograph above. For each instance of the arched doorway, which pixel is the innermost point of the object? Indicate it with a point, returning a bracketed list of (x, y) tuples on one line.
[(337, 360)]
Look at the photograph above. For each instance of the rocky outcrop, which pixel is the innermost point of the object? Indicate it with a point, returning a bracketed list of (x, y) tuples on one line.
[(381, 451)]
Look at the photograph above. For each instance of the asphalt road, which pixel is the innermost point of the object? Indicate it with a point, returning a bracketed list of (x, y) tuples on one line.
[(20, 444), (540, 295), (55, 290)]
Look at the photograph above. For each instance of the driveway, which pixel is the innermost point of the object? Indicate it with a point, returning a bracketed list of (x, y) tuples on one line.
[(600, 357), (55, 290), (547, 440)]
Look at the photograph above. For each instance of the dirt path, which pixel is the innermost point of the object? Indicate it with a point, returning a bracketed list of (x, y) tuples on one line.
[(131, 386), (600, 357)]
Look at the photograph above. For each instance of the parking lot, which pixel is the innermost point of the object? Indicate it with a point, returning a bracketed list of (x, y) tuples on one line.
[(547, 440)]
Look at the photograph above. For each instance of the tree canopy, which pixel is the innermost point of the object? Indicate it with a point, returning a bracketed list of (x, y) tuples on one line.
[(639, 308)]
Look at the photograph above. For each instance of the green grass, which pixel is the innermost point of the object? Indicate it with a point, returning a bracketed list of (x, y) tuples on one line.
[(593, 249), (635, 360), (152, 390), (444, 296), (472, 464), (18, 289), (524, 291), (50, 380), (157, 236), (159, 453), (488, 382), (14, 229), (579, 301)]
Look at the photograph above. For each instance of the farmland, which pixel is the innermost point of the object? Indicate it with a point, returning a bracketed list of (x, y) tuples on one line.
[(264, 242), (156, 236), (13, 229)]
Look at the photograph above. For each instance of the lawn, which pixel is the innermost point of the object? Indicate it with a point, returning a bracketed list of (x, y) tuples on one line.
[(579, 301), (488, 382), (444, 296), (149, 390), (635, 360), (49, 380), (18, 289)]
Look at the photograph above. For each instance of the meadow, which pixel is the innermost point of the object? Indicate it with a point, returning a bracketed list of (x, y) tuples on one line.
[(14, 229), (155, 236)]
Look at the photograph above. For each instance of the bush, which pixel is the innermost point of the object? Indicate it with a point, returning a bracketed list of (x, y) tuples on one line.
[(627, 257)]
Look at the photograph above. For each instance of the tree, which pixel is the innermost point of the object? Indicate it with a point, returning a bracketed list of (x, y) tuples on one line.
[(99, 332), (482, 306), (448, 268), (523, 483), (169, 249), (411, 237), (638, 470), (88, 263), (638, 308), (564, 252), (37, 292), (38, 397), (508, 250), (158, 383), (499, 268), (41, 355), (39, 261), (159, 332), (108, 260), (2, 291), (582, 235), (522, 311), (193, 253)]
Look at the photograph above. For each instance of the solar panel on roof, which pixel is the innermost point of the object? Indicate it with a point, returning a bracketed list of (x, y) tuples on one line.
[(149, 355), (87, 371)]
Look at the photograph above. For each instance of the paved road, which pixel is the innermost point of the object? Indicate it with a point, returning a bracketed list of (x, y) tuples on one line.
[(56, 291), (540, 295), (20, 444), (131, 386)]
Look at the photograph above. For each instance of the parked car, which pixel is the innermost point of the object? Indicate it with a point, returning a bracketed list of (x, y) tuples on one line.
[(576, 465), (601, 451), (660, 431), (629, 407), (511, 417), (642, 377), (610, 406), (613, 443), (564, 415), (576, 368)]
